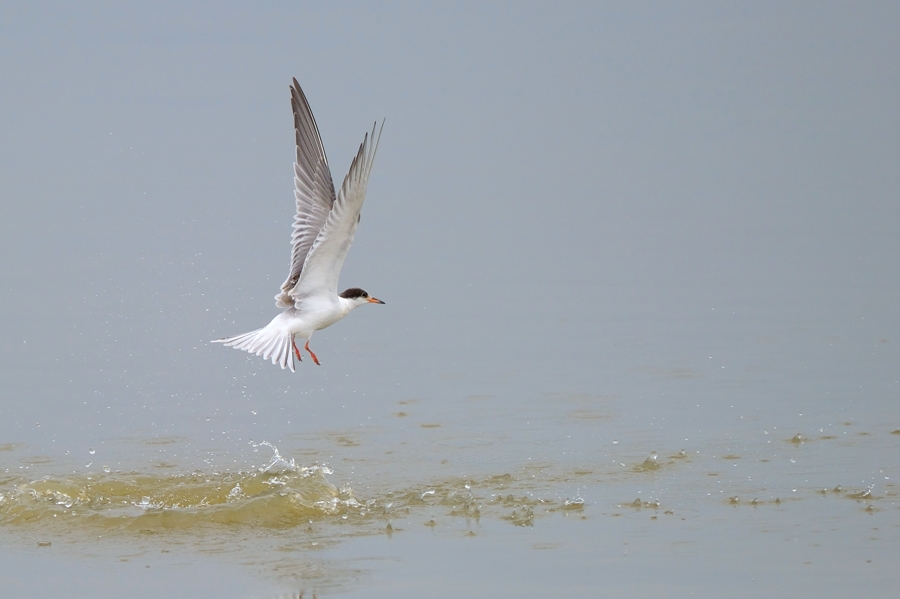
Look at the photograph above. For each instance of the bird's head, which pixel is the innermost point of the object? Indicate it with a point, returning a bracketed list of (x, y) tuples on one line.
[(357, 297)]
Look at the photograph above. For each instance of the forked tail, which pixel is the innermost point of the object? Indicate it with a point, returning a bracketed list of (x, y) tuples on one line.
[(267, 343)]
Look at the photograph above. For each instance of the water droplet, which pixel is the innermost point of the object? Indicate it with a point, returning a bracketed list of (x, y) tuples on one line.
[(573, 504), (91, 451), (650, 463), (88, 465), (106, 469), (236, 492)]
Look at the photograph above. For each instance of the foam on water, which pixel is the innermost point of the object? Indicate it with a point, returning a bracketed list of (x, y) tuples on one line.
[(276, 515), (277, 494)]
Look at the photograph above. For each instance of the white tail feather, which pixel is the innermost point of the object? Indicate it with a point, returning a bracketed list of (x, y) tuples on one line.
[(267, 343)]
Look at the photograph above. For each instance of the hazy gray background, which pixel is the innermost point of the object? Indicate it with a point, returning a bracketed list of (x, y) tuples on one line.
[(689, 208), (547, 172)]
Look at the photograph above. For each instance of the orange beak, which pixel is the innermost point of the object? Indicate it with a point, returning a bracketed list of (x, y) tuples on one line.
[(373, 300)]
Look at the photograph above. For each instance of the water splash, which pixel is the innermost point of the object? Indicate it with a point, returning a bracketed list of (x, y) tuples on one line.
[(279, 493), (277, 464)]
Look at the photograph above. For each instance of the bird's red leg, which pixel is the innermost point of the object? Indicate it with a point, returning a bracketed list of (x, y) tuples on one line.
[(297, 351), (315, 359)]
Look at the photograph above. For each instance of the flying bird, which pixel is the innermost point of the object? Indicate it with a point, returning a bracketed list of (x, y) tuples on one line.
[(324, 226)]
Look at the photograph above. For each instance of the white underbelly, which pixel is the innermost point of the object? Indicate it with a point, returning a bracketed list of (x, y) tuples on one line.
[(304, 324)]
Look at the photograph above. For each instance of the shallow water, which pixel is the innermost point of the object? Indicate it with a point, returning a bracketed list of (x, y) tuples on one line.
[(561, 495), (731, 454), (658, 449)]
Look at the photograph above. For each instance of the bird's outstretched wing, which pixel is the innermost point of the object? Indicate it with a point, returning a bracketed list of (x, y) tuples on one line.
[(326, 256), (313, 191)]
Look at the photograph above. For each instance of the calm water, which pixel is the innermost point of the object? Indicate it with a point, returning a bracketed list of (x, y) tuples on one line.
[(657, 478)]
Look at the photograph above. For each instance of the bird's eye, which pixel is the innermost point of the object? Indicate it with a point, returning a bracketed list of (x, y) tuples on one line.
[(366, 295)]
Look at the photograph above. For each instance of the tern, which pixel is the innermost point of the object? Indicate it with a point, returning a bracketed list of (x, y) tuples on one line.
[(324, 226)]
